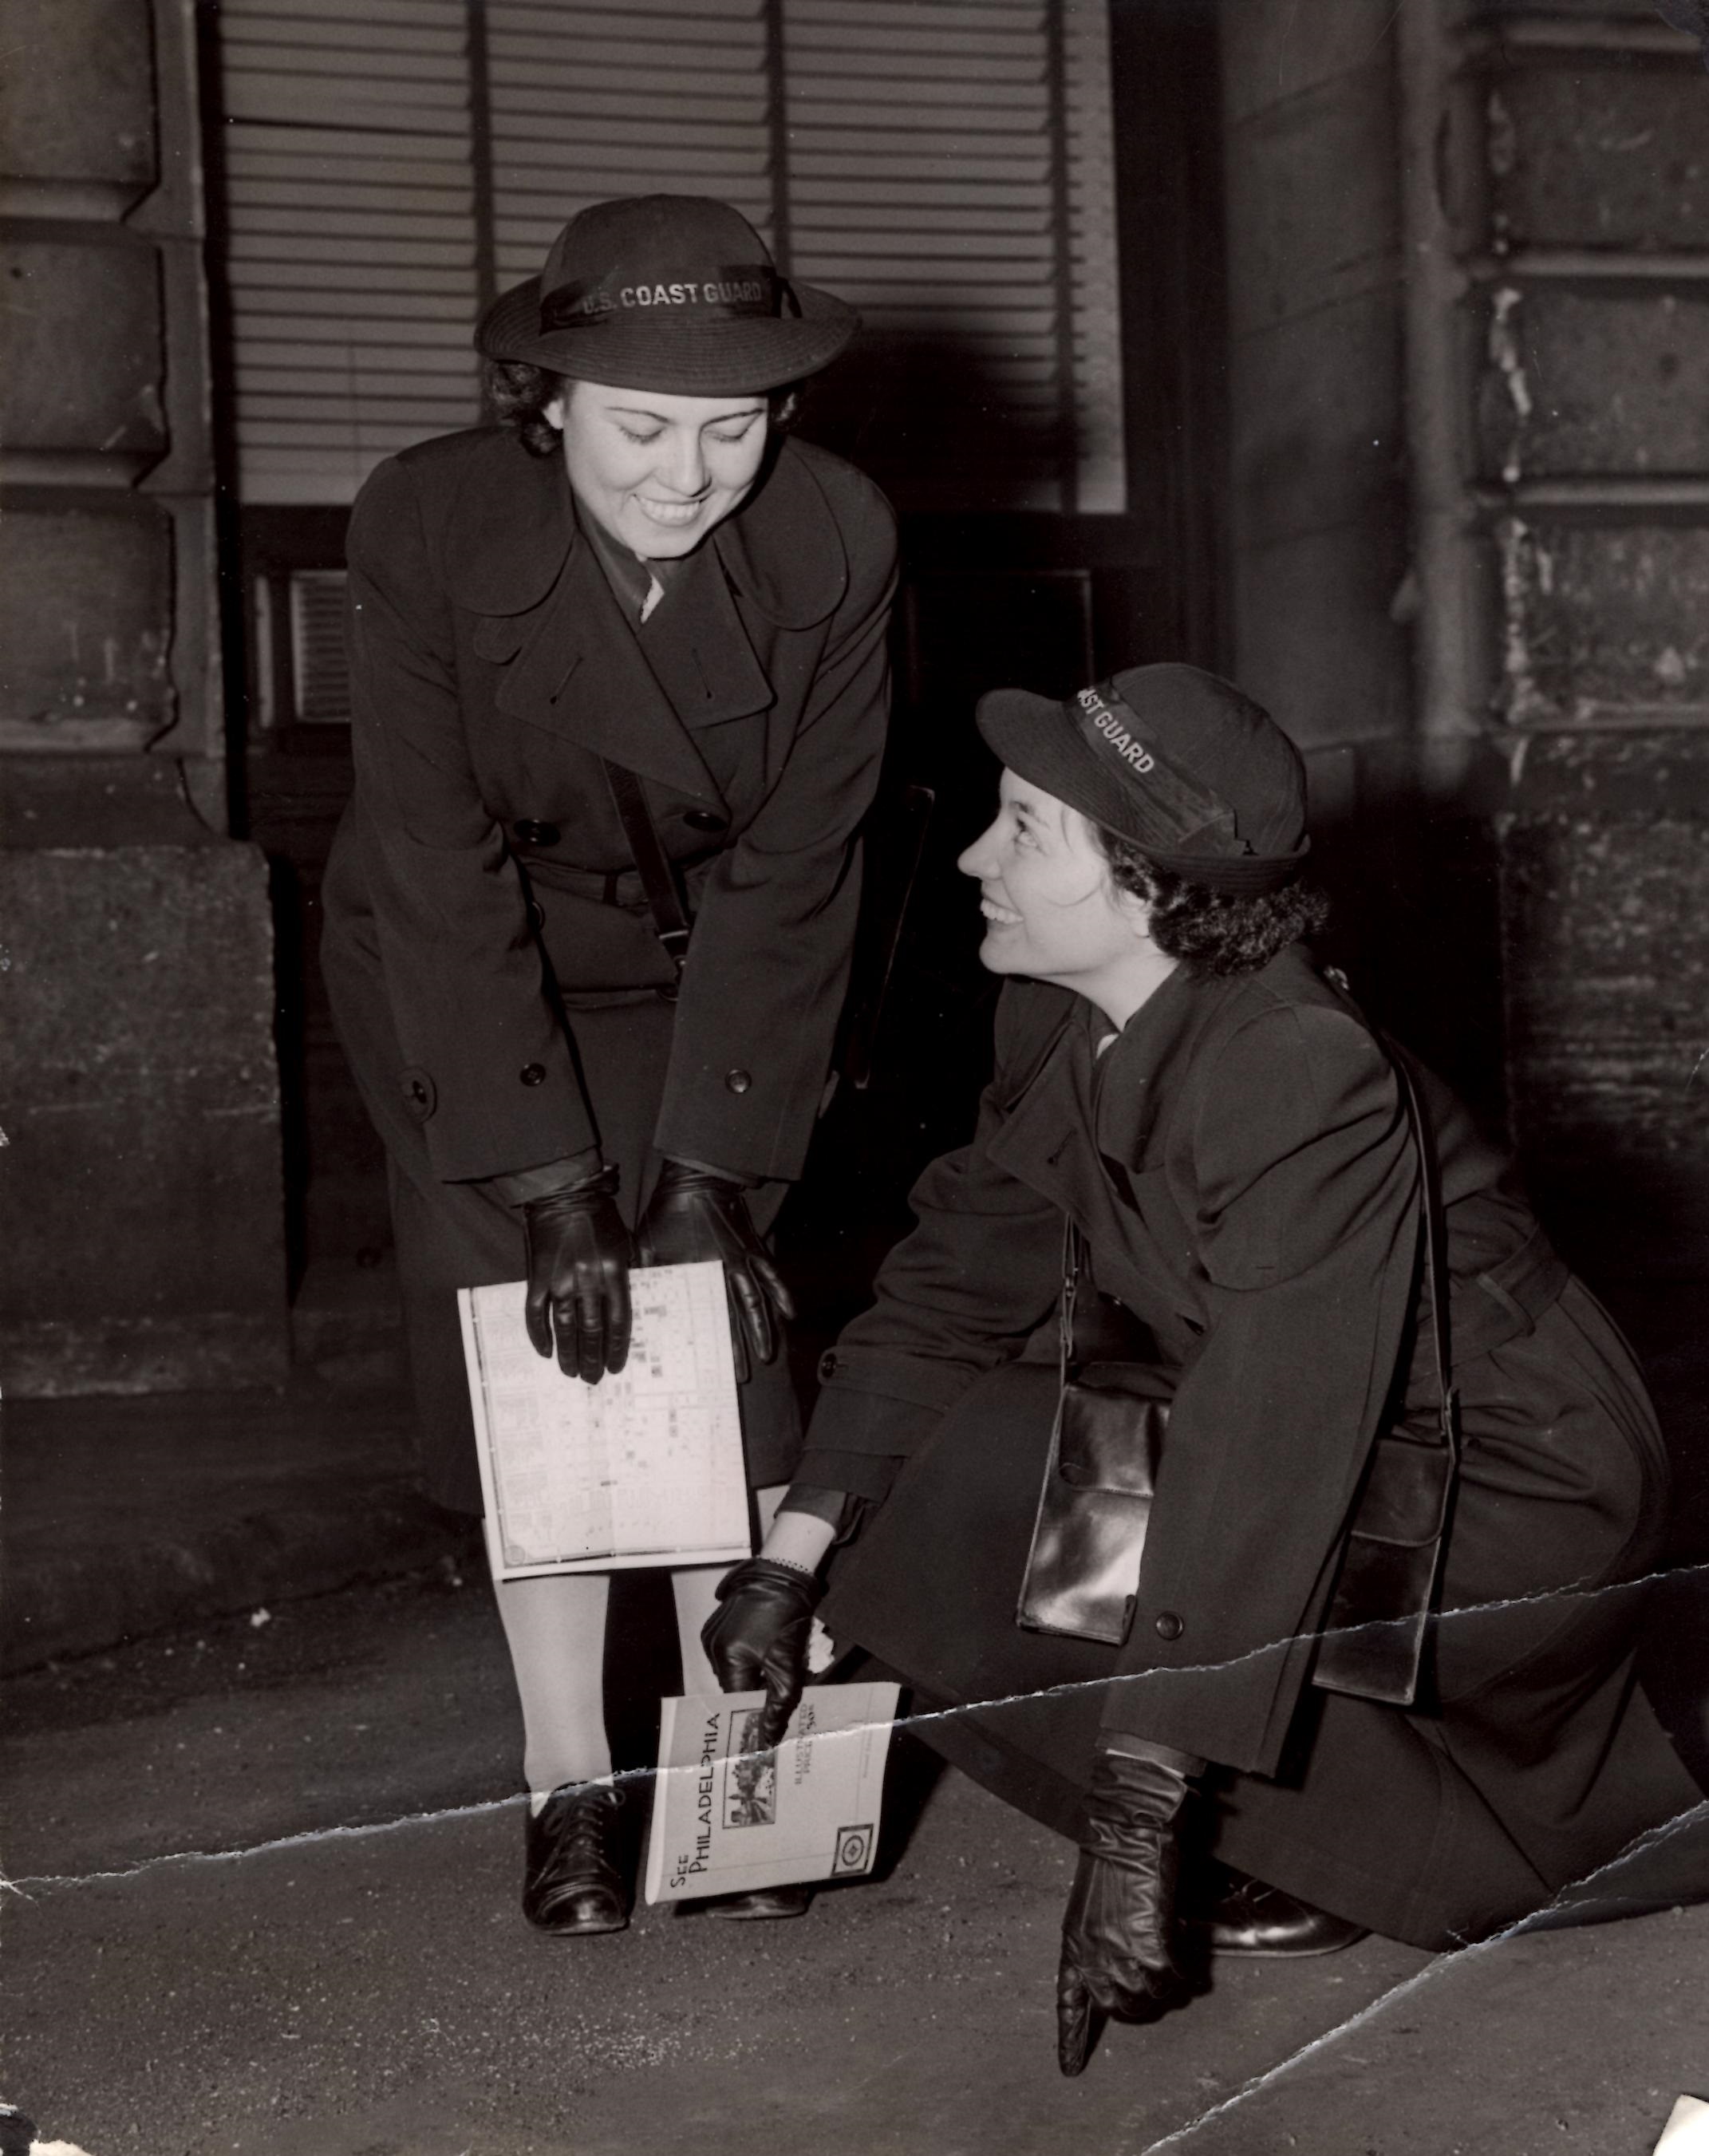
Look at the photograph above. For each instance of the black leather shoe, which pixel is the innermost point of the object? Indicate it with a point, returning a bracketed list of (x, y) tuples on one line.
[(1247, 1918), (573, 1883)]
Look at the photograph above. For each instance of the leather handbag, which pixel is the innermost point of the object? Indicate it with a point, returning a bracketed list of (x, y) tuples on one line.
[(1081, 1578), (1082, 1572)]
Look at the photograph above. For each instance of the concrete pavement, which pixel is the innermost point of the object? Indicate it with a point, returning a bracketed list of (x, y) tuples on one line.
[(304, 1990), (242, 1632), (128, 1516)]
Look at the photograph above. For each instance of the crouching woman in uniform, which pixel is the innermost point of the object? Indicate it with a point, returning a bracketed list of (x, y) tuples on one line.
[(1233, 1148), (620, 688)]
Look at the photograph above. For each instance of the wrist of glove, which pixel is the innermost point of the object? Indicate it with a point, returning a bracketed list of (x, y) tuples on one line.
[(1118, 1932), (578, 1277), (756, 1637), (695, 1215)]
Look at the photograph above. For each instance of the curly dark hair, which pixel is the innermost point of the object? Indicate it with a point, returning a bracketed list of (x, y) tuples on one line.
[(1213, 932), (515, 395)]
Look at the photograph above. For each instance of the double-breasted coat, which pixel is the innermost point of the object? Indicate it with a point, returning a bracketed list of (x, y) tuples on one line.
[(1239, 1161), (493, 965)]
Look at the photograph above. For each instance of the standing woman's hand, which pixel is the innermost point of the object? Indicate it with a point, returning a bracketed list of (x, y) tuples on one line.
[(695, 1214), (578, 1277)]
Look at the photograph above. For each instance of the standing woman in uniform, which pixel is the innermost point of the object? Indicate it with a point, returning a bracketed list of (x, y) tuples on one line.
[(618, 664)]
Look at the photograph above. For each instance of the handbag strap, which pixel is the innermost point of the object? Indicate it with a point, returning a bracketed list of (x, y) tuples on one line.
[(670, 922), (1436, 1234), (1073, 1256)]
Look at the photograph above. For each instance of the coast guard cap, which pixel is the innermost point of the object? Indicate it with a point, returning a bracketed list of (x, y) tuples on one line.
[(676, 293), (1181, 762)]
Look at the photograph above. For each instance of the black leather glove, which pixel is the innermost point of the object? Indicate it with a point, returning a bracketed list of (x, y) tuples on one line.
[(757, 1635), (578, 1277), (1116, 1949), (695, 1215)]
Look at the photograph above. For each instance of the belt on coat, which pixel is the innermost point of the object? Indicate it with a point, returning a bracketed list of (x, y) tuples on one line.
[(1488, 1309), (621, 887)]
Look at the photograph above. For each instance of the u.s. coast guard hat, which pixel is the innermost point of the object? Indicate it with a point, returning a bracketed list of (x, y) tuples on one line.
[(676, 293), (1198, 777)]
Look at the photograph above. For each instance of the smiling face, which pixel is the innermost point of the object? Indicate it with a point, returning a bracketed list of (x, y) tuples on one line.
[(1051, 909), (658, 471)]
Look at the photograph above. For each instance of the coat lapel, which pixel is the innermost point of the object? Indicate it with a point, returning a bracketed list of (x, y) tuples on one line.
[(580, 673), (700, 651), (576, 665), (1044, 1140), (784, 551), (1086, 1126), (1157, 1041)]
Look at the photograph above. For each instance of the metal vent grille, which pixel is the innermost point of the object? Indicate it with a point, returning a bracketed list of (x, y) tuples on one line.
[(320, 673)]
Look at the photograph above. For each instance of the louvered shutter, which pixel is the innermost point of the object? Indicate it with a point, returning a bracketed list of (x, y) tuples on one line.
[(636, 97), (350, 251), (945, 164), (930, 180), (1093, 373)]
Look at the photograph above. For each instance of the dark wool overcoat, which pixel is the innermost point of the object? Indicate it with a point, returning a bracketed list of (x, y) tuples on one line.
[(492, 961), (1240, 1163)]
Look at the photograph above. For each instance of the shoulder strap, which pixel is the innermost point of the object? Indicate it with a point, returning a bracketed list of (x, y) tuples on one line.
[(1074, 1258), (670, 922), (1435, 1232)]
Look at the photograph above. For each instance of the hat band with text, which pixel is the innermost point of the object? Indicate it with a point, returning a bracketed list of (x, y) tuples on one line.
[(749, 289), (1183, 806)]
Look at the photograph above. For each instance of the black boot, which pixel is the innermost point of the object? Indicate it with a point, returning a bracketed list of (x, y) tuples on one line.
[(573, 1882)]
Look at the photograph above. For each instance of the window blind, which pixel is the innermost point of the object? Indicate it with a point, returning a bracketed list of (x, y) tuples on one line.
[(1093, 337), (636, 97), (928, 182), (349, 244), (943, 164)]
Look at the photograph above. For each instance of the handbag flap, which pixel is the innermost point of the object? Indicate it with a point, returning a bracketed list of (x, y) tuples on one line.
[(1110, 1438), (1406, 1497)]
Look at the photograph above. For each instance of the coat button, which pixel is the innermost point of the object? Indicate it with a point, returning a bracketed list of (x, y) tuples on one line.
[(532, 1073), (536, 913), (705, 819), (536, 834), (1169, 1625), (737, 1081), (828, 1365), (419, 1094)]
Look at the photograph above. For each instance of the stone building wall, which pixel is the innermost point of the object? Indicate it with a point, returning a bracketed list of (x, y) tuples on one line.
[(1326, 591), (1470, 513), (1316, 514), (1588, 242), (138, 1090)]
